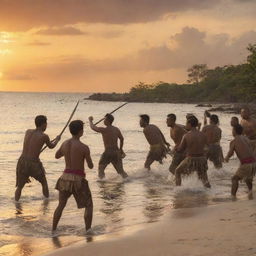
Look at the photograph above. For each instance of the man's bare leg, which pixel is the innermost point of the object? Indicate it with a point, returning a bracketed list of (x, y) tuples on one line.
[(45, 189), (18, 191), (205, 180), (249, 185), (178, 172), (235, 184), (148, 163), (88, 213), (120, 169), (101, 169), (63, 198), (182, 167)]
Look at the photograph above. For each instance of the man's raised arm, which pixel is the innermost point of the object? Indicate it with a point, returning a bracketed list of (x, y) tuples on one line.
[(94, 127)]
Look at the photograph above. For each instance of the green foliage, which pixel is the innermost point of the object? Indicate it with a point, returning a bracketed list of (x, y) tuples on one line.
[(197, 73), (233, 83)]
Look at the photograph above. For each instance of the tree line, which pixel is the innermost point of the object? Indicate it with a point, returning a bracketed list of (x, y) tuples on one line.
[(230, 83)]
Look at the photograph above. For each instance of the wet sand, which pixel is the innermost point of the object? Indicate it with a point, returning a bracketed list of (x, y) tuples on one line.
[(224, 230)]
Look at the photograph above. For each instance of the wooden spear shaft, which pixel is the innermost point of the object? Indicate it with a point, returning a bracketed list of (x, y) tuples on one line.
[(63, 130), (111, 112)]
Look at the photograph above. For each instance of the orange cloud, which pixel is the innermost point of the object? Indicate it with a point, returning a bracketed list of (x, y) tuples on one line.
[(192, 47), (63, 31)]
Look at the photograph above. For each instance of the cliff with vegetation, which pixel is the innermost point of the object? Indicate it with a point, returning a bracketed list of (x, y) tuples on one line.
[(233, 83)]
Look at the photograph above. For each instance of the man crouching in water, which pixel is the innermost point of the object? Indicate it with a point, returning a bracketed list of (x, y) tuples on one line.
[(246, 171), (29, 164), (72, 181), (156, 140), (112, 153), (193, 143)]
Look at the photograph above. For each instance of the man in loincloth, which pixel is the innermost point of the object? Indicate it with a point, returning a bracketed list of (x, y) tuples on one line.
[(159, 147), (193, 143), (213, 136), (249, 127), (246, 171), (176, 132), (29, 164), (112, 154), (72, 181)]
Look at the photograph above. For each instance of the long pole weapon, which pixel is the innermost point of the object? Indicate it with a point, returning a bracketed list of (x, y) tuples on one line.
[(112, 112), (63, 130)]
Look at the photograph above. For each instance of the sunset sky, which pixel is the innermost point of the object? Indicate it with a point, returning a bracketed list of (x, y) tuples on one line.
[(110, 45)]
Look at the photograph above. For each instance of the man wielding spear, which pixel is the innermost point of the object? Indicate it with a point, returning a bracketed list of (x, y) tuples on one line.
[(112, 154), (29, 164)]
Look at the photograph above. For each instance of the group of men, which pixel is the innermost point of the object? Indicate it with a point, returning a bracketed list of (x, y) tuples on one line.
[(193, 146)]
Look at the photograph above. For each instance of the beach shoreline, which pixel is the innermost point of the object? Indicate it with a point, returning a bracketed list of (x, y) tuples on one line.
[(223, 229)]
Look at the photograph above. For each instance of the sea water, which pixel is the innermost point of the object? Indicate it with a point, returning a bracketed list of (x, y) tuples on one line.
[(119, 205)]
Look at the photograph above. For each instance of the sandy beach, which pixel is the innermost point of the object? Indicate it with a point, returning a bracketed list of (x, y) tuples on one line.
[(223, 230)]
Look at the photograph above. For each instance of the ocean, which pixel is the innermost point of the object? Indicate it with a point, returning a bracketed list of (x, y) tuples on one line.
[(120, 206)]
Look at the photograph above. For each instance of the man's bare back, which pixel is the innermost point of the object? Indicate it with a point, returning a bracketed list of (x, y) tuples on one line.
[(249, 128), (153, 134), (212, 133), (241, 145), (75, 152), (33, 143), (194, 143)]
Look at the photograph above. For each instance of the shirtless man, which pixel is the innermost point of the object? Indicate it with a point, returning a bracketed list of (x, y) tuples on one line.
[(112, 154), (194, 143), (213, 137), (246, 171), (249, 127), (29, 164), (72, 181), (158, 144), (176, 132)]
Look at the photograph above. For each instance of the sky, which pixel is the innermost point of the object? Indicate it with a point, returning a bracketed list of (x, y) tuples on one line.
[(110, 46)]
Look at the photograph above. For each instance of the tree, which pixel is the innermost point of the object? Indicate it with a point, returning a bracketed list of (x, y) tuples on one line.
[(251, 59), (197, 73)]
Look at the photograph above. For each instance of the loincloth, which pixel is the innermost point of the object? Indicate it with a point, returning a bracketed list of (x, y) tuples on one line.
[(113, 156), (193, 164), (157, 152), (177, 158), (26, 168), (76, 185), (246, 171), (215, 154)]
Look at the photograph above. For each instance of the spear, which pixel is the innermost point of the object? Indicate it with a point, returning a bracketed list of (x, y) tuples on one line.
[(63, 130), (112, 112)]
